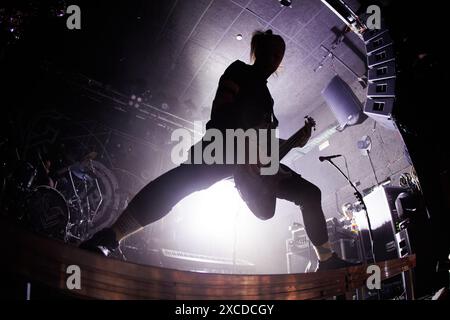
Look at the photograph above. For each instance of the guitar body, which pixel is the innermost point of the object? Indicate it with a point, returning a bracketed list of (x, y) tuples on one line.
[(258, 191)]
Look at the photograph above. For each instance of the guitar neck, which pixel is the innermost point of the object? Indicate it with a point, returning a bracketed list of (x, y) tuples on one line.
[(290, 143)]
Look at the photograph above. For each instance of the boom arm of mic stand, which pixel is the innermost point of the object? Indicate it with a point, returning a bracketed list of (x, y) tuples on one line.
[(359, 196)]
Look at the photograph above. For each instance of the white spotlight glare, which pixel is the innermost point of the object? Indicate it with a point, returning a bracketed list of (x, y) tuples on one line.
[(214, 213)]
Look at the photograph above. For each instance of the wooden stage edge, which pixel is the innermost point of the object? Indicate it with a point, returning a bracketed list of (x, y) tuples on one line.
[(46, 261)]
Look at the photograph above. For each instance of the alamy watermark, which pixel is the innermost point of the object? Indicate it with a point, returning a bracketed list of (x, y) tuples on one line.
[(73, 22), (374, 20), (235, 146), (373, 282), (73, 281)]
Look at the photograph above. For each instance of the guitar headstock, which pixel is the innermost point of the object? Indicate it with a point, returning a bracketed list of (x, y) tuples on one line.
[(309, 121)]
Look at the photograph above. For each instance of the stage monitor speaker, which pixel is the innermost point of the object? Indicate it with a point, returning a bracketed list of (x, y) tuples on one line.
[(380, 109), (342, 101)]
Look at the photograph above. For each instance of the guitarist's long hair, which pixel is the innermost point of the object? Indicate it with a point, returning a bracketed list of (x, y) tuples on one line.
[(262, 40)]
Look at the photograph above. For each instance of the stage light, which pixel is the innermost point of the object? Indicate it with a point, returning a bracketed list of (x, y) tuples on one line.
[(365, 145), (215, 212), (216, 220), (286, 3), (239, 37)]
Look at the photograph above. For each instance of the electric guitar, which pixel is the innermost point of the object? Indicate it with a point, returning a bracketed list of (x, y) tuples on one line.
[(258, 191)]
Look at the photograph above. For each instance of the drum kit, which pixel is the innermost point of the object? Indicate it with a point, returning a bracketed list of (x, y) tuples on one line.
[(65, 208)]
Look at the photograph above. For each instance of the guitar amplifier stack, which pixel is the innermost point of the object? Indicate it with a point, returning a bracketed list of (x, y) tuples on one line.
[(384, 222), (382, 77), (300, 253)]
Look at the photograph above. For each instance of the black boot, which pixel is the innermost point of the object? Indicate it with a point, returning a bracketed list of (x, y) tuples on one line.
[(334, 263), (103, 242)]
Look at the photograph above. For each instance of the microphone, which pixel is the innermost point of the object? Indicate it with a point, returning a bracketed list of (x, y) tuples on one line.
[(322, 159)]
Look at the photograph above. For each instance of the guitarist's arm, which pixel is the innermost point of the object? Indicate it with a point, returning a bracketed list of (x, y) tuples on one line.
[(302, 139), (223, 105), (300, 144), (226, 93), (305, 134), (224, 113)]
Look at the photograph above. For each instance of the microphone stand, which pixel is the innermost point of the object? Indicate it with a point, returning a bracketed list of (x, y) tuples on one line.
[(358, 196)]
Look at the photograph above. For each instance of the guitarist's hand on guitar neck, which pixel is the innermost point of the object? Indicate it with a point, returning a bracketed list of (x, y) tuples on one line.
[(305, 133), (298, 140)]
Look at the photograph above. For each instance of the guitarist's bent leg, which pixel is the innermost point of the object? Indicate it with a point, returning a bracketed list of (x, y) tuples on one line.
[(292, 187), (156, 199)]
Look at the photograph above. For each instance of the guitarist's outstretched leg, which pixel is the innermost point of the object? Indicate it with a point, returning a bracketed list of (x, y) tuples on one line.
[(155, 200), (292, 187)]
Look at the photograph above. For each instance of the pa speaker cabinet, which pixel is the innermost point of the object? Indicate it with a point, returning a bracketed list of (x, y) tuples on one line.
[(379, 42), (382, 89), (369, 35), (380, 110), (342, 101), (382, 72), (383, 218), (381, 56)]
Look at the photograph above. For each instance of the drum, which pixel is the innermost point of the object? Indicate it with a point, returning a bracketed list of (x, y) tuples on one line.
[(47, 212), (90, 189)]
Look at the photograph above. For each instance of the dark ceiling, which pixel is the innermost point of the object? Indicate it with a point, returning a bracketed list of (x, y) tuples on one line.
[(183, 47), (177, 50)]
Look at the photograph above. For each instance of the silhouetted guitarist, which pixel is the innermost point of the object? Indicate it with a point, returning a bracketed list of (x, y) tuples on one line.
[(242, 101)]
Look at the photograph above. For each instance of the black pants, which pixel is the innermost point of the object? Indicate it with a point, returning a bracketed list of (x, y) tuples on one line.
[(158, 197)]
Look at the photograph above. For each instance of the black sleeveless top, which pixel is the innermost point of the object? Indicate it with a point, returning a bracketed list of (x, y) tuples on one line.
[(253, 105)]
